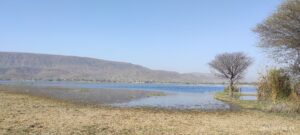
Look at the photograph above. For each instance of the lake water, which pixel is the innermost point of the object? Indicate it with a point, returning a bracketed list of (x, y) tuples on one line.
[(177, 95)]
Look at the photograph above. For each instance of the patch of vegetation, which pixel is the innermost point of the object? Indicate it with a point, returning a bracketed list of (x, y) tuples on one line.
[(281, 106), (156, 94), (246, 104), (275, 94), (274, 86)]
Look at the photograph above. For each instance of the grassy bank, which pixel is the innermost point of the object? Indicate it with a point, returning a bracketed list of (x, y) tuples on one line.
[(24, 114), (246, 104), (284, 106)]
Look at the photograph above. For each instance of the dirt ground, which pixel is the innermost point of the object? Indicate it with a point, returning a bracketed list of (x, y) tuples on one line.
[(24, 114)]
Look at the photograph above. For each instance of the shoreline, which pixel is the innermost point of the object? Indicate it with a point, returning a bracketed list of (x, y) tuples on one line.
[(97, 82), (113, 98), (25, 114), (79, 95), (282, 107)]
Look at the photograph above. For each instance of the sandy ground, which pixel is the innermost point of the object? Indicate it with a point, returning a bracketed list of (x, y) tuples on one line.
[(24, 114)]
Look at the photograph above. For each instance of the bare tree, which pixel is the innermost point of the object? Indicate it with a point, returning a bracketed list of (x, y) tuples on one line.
[(231, 66), (280, 34)]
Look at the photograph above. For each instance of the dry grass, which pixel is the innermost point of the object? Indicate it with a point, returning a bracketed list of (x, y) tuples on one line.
[(245, 104), (285, 107), (23, 114)]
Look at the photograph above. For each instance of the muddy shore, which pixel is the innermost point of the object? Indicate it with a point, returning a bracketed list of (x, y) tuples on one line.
[(81, 96), (25, 114)]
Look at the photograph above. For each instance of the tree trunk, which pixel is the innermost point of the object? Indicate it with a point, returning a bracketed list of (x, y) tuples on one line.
[(231, 90)]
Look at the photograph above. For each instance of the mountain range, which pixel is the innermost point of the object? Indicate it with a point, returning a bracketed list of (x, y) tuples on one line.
[(30, 66)]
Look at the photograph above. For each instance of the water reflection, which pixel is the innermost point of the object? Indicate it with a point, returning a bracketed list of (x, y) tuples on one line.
[(180, 100), (248, 98), (178, 95)]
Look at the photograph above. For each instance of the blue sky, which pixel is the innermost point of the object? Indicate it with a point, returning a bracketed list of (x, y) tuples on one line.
[(177, 35)]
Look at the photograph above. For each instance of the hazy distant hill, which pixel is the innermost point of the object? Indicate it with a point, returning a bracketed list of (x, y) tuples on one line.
[(27, 66)]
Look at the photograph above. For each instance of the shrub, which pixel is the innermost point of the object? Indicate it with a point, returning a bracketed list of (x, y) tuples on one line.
[(295, 92), (275, 85), (263, 90)]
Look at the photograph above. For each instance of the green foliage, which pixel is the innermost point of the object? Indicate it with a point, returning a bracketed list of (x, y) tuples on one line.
[(274, 86)]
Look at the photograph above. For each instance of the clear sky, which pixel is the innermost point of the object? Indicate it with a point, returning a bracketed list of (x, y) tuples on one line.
[(177, 35)]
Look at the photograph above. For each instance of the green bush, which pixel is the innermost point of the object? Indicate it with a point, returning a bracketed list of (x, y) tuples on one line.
[(274, 86)]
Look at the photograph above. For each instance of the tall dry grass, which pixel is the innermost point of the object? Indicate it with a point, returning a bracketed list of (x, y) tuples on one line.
[(275, 85), (277, 88)]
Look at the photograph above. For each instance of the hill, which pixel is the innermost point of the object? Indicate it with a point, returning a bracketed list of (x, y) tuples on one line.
[(29, 66)]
